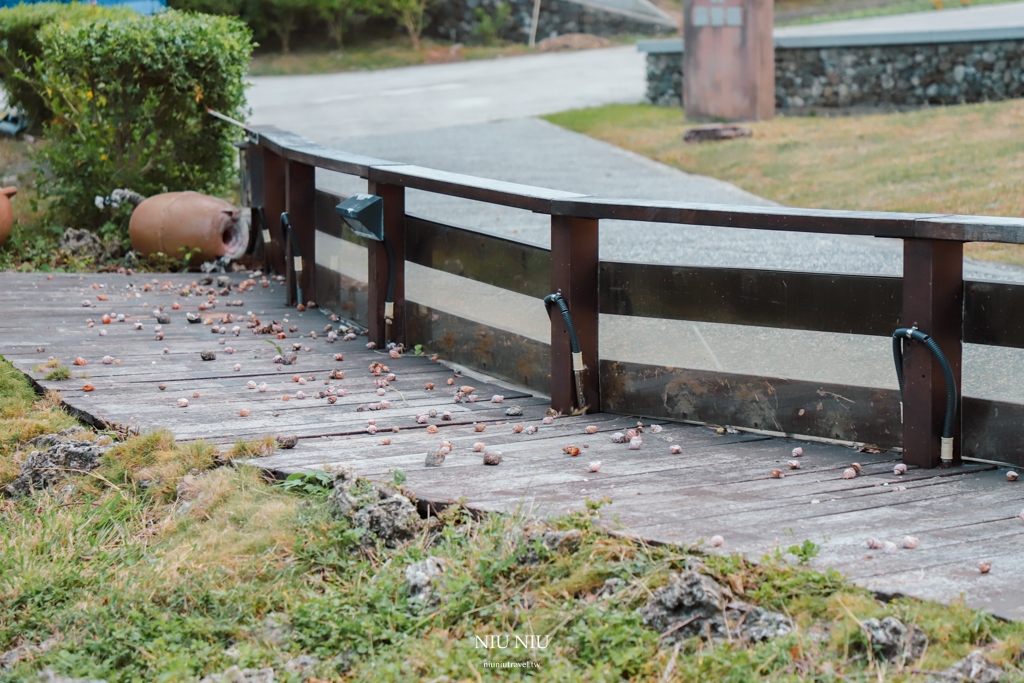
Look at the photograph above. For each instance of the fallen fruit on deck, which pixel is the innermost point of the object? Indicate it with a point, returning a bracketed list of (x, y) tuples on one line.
[(984, 567), (909, 542)]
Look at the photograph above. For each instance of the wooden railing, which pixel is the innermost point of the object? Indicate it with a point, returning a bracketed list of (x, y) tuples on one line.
[(932, 294)]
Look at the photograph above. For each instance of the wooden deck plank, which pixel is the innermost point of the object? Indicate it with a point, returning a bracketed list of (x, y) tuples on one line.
[(717, 484)]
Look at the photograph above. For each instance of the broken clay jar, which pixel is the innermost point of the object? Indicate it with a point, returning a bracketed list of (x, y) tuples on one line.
[(176, 223), (6, 213)]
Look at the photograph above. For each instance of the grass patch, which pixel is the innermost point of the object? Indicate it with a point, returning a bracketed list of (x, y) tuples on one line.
[(371, 56), (58, 374), (387, 54), (166, 566), (965, 159)]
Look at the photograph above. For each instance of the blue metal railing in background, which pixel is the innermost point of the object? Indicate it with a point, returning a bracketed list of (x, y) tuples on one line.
[(140, 6)]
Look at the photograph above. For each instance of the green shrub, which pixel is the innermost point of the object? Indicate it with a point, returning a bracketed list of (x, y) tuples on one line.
[(20, 47), (489, 27), (129, 98)]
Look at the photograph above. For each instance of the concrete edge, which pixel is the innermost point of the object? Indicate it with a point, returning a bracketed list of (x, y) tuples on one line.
[(660, 18), (675, 45)]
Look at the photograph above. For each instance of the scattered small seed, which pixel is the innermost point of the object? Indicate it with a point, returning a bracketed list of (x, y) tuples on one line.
[(591, 430), (182, 402), (717, 541), (777, 474), (675, 449), (244, 412), (909, 542), (984, 567), (594, 466), (899, 469)]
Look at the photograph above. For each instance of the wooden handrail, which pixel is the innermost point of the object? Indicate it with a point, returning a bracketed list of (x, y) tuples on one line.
[(932, 292), (957, 228)]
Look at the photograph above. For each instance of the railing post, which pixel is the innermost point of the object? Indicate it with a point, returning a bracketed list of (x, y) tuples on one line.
[(574, 272), (301, 213), (394, 230), (933, 300), (275, 188)]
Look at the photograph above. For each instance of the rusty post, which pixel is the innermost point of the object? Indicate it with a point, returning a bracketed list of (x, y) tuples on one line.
[(302, 212), (574, 272), (933, 299), (394, 230), (275, 186)]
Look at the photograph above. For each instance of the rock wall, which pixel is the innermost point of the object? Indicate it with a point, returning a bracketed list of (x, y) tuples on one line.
[(665, 79), (873, 76), (458, 21)]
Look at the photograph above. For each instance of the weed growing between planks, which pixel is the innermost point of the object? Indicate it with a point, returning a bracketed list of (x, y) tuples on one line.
[(166, 565)]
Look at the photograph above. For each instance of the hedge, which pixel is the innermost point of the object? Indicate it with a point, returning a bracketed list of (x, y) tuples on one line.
[(20, 47), (129, 98)]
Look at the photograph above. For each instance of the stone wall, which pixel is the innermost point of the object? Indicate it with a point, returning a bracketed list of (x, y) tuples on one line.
[(873, 76), (665, 79), (457, 20)]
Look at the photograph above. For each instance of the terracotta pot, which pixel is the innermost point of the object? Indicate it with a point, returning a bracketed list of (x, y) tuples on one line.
[(6, 213), (175, 221)]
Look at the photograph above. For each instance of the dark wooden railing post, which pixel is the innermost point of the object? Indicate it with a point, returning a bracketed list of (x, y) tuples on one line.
[(933, 298), (574, 272), (377, 274), (275, 192), (301, 214)]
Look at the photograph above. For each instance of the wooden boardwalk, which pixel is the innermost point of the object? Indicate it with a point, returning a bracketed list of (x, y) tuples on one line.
[(718, 484)]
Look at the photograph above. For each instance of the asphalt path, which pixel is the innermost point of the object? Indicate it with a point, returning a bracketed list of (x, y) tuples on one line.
[(479, 118)]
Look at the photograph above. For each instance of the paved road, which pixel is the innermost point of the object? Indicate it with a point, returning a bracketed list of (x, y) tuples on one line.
[(478, 118), (986, 17), (333, 107)]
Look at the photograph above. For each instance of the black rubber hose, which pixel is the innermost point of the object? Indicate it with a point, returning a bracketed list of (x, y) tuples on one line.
[(947, 372), (286, 226), (556, 298), (392, 270)]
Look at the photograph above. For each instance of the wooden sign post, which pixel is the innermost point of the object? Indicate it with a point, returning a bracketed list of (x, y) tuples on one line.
[(729, 60)]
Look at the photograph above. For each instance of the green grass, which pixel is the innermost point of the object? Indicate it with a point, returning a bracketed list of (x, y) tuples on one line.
[(371, 56), (965, 159), (134, 588)]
